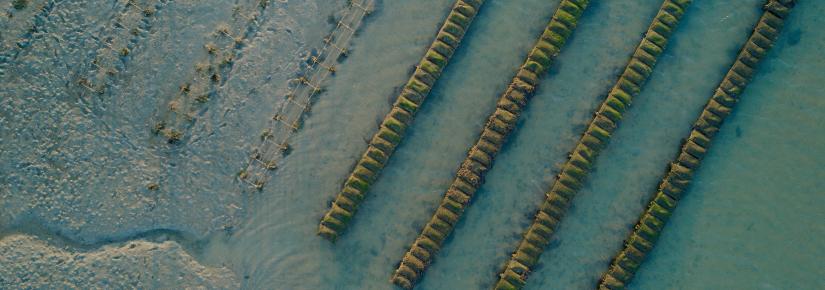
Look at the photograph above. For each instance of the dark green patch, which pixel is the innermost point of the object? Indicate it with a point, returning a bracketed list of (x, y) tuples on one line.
[(20, 4)]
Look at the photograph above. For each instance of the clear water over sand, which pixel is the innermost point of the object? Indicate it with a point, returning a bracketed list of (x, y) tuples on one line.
[(751, 219)]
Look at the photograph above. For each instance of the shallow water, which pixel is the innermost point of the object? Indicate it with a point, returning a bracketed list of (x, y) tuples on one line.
[(750, 221)]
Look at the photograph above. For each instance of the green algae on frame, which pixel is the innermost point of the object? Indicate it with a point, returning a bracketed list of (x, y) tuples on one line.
[(593, 140), (393, 128), (680, 172), (470, 174)]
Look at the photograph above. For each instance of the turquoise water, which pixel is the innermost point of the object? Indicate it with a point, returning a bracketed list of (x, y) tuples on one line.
[(751, 220)]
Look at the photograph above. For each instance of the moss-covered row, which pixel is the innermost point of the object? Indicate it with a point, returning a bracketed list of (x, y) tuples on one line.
[(500, 124), (680, 172), (394, 126), (596, 136)]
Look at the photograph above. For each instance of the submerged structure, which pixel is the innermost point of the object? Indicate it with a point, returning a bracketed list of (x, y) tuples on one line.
[(497, 129), (392, 129)]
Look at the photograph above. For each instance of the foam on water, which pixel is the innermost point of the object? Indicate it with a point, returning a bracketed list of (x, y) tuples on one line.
[(31, 263)]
